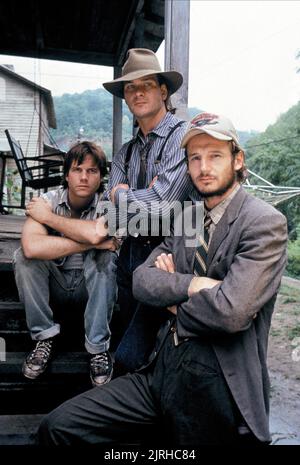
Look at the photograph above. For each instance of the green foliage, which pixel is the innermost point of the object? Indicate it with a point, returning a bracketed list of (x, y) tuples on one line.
[(245, 136), (275, 155), (92, 111), (293, 265), (293, 332), (13, 187), (289, 291)]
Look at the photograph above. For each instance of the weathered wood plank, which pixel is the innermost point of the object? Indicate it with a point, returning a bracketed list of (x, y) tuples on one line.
[(63, 363), (19, 430), (11, 225), (10, 235), (117, 117), (7, 248)]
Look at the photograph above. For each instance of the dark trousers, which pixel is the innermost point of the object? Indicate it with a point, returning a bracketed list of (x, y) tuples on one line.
[(139, 323), (181, 399)]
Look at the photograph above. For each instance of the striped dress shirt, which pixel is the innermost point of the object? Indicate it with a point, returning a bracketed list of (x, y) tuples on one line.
[(173, 182)]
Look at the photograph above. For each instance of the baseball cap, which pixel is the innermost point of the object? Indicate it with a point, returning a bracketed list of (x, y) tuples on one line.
[(217, 126)]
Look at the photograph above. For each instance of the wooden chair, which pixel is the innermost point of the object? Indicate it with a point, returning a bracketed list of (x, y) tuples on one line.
[(39, 176)]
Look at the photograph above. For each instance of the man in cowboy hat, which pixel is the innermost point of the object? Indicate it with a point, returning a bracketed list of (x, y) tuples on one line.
[(149, 169)]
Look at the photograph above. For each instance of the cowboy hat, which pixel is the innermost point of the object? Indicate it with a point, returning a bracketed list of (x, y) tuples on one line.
[(142, 62)]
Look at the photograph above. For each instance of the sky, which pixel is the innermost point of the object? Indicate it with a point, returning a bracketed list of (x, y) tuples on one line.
[(242, 61)]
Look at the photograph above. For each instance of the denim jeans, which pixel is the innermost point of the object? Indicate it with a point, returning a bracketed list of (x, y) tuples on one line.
[(41, 281), (140, 322)]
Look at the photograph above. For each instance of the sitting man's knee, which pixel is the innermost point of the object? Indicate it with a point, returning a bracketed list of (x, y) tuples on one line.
[(19, 257)]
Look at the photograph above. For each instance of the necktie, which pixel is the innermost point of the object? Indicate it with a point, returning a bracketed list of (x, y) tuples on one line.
[(202, 249), (141, 181)]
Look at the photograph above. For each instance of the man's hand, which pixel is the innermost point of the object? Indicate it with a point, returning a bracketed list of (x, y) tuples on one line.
[(165, 262), (199, 283), (152, 182), (173, 309), (39, 209), (114, 189), (111, 244)]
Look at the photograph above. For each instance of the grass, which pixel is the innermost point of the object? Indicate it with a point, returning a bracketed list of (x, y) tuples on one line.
[(292, 293), (290, 300), (293, 332), (285, 323), (275, 332)]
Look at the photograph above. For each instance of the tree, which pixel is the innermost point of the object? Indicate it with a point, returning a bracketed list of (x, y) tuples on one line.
[(275, 155)]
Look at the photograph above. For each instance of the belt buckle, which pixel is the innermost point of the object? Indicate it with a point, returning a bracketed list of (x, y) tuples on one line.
[(177, 342), (175, 336)]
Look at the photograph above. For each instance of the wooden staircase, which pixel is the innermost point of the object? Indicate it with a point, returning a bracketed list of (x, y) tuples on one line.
[(24, 401)]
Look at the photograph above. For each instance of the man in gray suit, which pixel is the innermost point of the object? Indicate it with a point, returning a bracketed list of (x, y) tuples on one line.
[(206, 382)]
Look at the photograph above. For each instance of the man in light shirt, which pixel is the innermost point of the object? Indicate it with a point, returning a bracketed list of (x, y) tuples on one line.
[(63, 263)]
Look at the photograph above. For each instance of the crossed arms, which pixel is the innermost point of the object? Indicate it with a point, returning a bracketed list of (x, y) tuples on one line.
[(166, 263), (224, 302), (80, 235)]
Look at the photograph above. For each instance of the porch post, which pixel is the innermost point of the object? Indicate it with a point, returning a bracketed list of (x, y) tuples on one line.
[(177, 26), (117, 117)]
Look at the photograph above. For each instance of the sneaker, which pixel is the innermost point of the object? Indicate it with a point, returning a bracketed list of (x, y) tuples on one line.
[(36, 362), (101, 368)]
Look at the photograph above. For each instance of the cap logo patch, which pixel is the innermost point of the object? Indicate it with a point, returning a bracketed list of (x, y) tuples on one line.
[(204, 119)]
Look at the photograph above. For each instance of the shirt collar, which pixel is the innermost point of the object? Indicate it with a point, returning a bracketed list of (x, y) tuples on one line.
[(64, 198), (64, 201), (163, 127)]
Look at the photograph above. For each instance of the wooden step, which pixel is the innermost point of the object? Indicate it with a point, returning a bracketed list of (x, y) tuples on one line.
[(19, 430), (30, 398), (13, 329), (16, 341), (7, 249), (62, 363), (8, 288), (12, 316), (66, 376)]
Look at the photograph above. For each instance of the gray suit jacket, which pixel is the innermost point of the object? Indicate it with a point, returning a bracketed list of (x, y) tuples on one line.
[(248, 253)]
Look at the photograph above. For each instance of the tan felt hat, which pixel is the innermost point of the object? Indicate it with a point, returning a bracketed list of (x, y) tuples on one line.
[(142, 62)]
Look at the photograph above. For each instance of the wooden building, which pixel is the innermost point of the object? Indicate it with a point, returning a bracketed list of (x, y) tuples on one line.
[(27, 110)]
